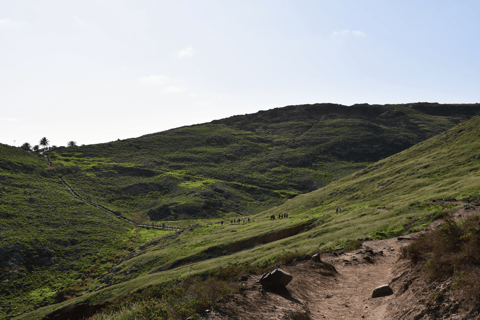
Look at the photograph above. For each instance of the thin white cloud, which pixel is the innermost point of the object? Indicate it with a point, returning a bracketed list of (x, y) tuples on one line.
[(359, 33), (174, 89), (8, 23), (9, 119), (347, 32), (164, 82), (185, 53), (79, 21), (160, 80)]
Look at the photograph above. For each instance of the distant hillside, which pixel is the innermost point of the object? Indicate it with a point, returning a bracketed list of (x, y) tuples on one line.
[(247, 164)]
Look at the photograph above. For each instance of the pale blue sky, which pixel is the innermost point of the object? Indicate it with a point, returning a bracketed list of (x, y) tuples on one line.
[(95, 71)]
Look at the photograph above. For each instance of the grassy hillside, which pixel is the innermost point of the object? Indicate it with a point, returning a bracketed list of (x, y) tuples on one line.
[(49, 241), (385, 199), (246, 164)]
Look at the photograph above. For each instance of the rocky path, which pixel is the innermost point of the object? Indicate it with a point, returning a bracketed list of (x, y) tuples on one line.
[(351, 295)]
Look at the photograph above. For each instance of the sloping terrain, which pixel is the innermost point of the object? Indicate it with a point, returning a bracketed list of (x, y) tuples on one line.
[(246, 164), (389, 198), (51, 244)]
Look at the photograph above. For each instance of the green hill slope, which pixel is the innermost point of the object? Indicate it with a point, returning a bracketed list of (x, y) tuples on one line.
[(246, 164), (385, 199), (49, 241)]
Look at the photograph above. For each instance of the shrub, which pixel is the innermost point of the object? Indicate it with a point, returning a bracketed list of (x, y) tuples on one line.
[(353, 245), (451, 251)]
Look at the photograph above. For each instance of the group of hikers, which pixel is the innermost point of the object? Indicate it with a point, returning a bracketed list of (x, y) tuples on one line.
[(280, 216), (272, 217), (236, 221), (338, 210)]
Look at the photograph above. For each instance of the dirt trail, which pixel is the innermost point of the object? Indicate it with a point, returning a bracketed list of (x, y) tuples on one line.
[(351, 293), (314, 293)]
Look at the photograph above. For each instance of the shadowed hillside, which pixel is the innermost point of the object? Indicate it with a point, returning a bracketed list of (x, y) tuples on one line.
[(246, 164)]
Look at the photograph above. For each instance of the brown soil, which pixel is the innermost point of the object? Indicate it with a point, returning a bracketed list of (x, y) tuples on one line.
[(316, 293)]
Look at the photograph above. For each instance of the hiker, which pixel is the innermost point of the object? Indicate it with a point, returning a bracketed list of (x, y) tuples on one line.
[(248, 219), (336, 210)]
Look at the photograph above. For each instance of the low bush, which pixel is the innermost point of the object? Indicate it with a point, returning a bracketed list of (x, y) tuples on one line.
[(353, 245), (451, 251)]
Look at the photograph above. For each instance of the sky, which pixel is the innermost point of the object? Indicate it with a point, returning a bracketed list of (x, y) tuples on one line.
[(97, 71)]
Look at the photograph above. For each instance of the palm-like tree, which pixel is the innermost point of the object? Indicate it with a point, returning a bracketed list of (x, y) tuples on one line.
[(44, 142), (26, 146), (35, 148), (71, 144)]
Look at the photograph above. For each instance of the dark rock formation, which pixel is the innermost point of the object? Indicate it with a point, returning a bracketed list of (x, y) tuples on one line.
[(276, 279), (381, 291)]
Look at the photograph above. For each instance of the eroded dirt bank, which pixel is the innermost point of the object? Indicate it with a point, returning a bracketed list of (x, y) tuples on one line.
[(217, 251)]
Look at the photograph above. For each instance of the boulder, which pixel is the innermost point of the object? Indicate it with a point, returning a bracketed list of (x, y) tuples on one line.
[(275, 279), (381, 291), (316, 257)]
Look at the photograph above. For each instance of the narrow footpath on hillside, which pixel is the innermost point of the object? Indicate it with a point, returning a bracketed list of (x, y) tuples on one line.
[(76, 195)]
